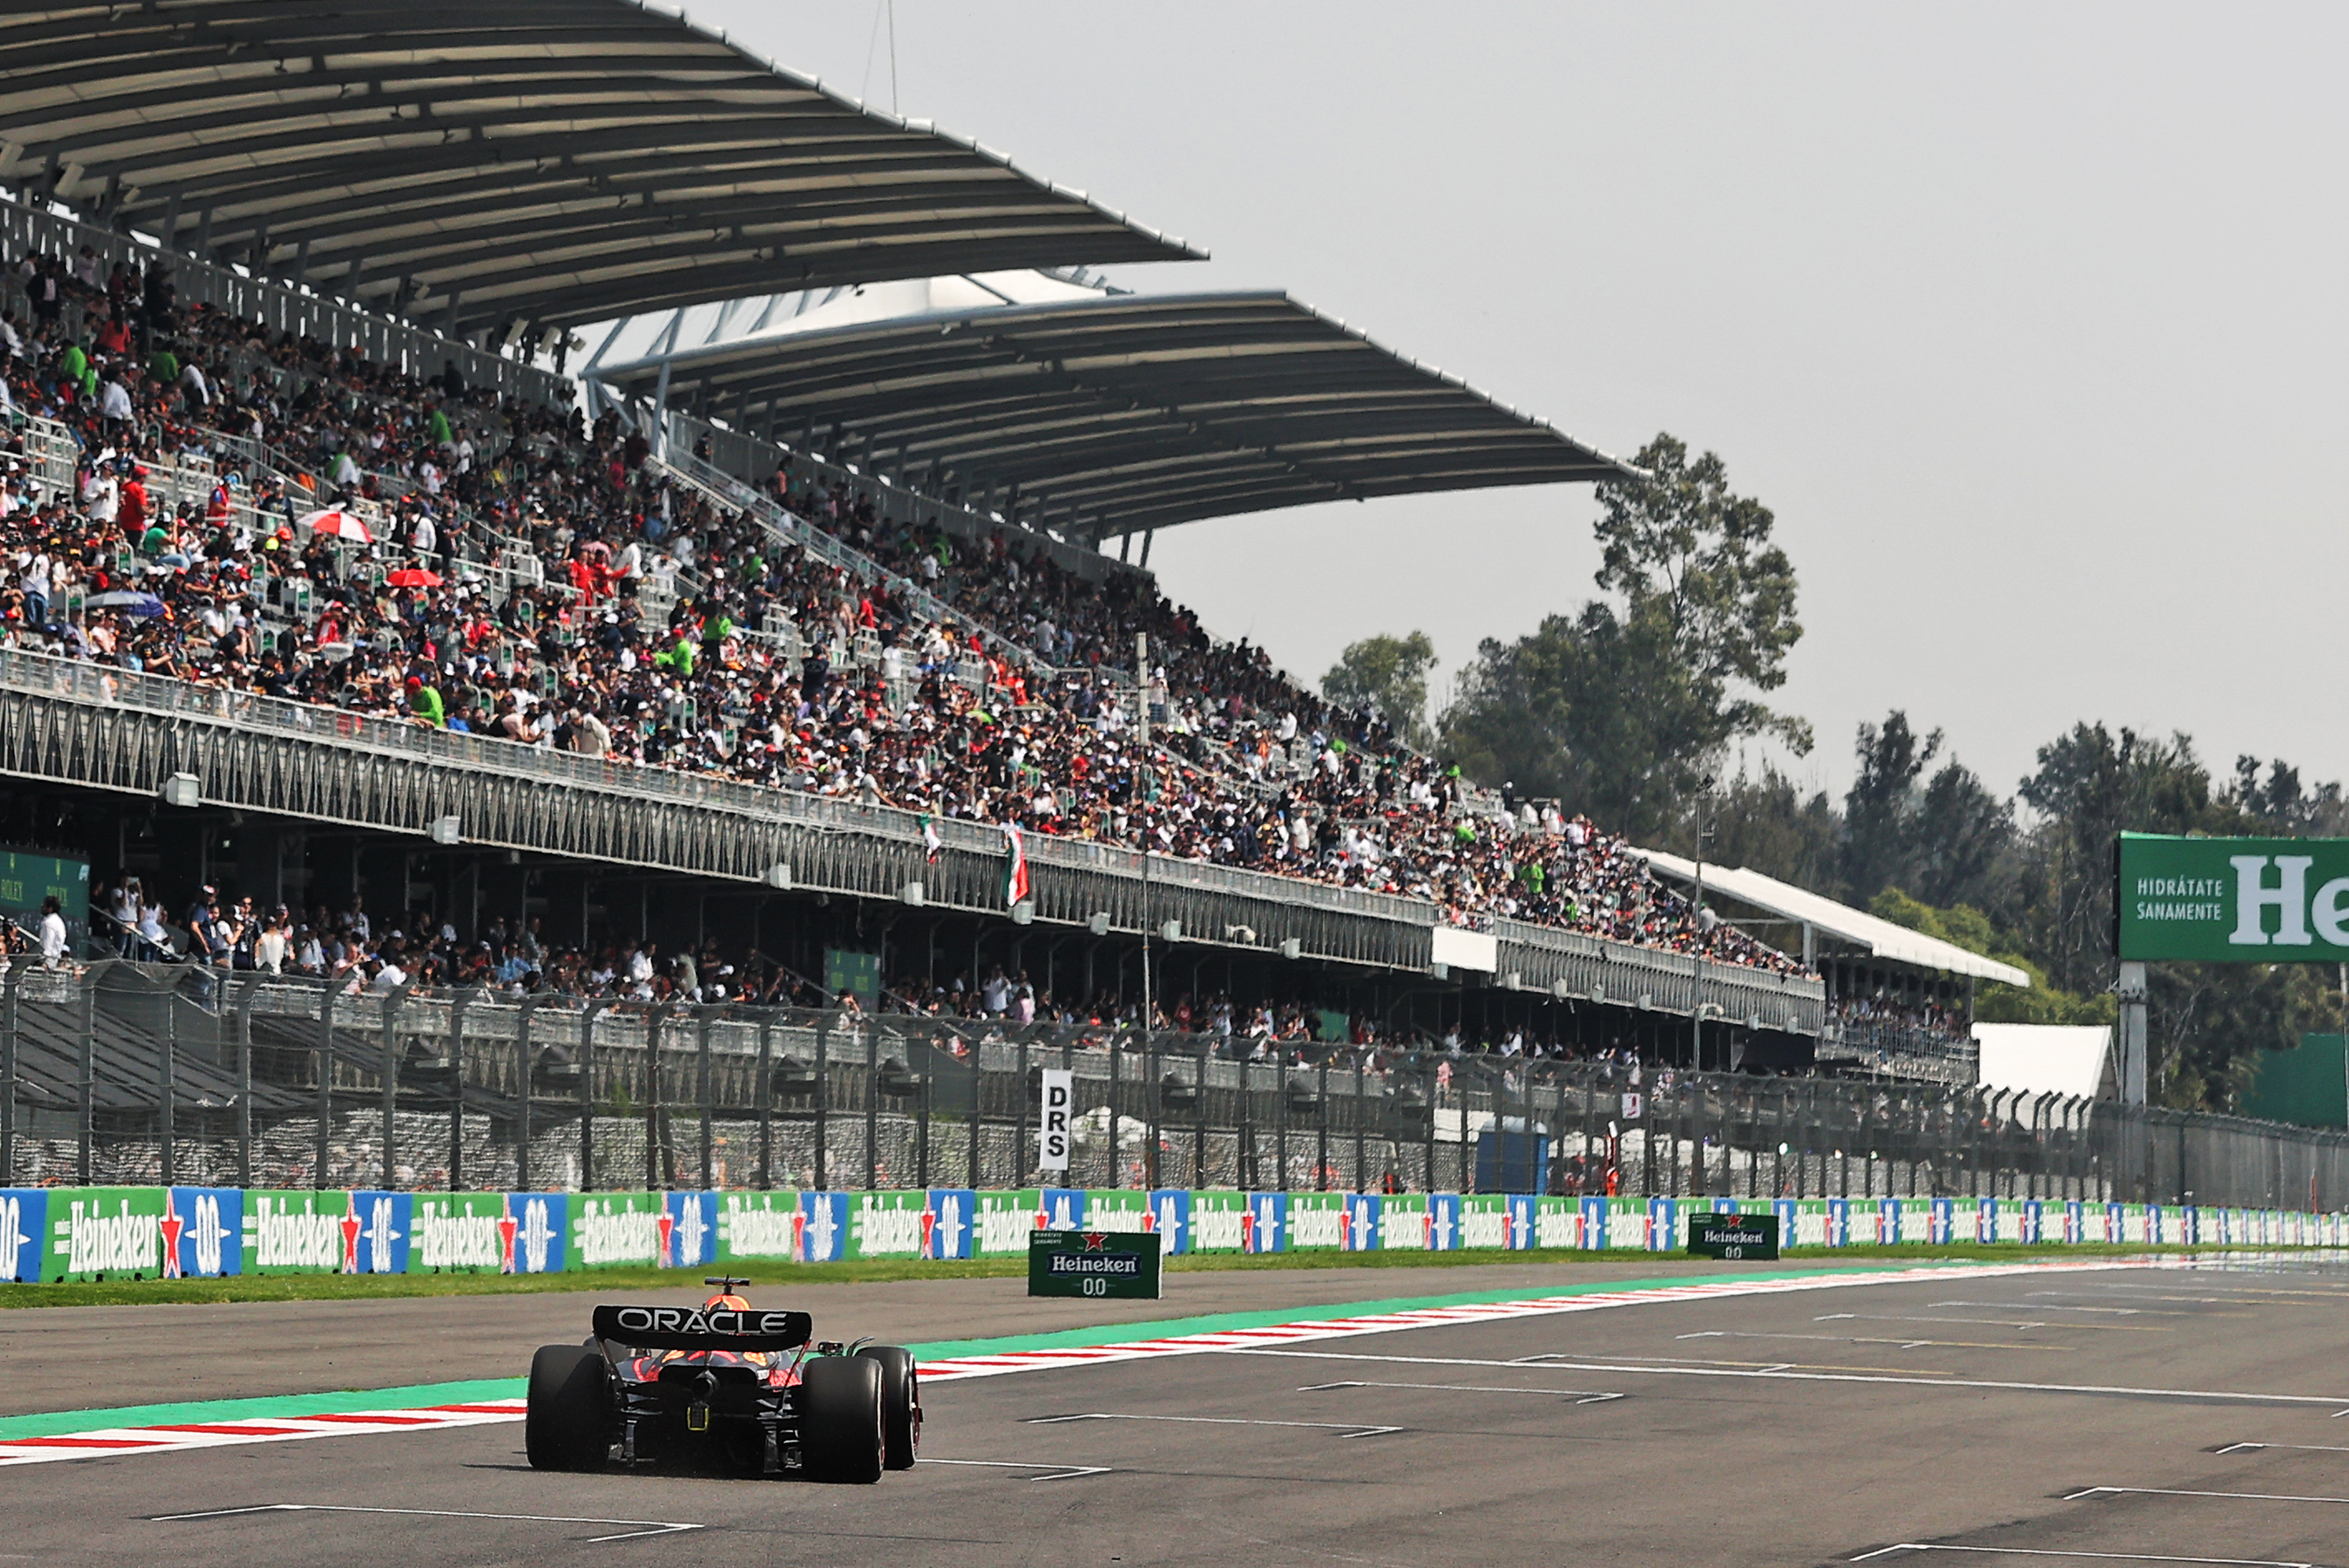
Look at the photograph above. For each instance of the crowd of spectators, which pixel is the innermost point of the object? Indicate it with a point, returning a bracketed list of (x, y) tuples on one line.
[(556, 589)]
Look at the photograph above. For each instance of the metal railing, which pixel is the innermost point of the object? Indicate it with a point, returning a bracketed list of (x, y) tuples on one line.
[(28, 225), (97, 725), (133, 1073)]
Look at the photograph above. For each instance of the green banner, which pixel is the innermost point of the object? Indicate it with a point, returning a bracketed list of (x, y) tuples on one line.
[(1484, 1221), (1092, 1262), (757, 1224), (456, 1232), (1124, 1210), (886, 1224), (294, 1232), (1403, 1222), (2234, 901), (27, 879), (1558, 1222), (1216, 1221), (1001, 1223), (613, 1229), (1313, 1220), (111, 1231)]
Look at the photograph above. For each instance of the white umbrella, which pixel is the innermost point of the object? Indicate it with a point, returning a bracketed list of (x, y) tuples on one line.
[(337, 523)]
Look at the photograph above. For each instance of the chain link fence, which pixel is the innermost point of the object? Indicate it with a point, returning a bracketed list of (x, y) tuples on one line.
[(127, 1074)]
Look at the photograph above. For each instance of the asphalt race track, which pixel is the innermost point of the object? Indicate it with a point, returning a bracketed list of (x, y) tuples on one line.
[(2174, 1415)]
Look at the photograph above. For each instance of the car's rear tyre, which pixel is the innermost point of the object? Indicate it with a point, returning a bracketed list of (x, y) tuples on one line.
[(568, 1425), (901, 1403), (842, 1435)]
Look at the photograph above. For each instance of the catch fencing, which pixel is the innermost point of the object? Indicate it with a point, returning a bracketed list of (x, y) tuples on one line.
[(140, 1074)]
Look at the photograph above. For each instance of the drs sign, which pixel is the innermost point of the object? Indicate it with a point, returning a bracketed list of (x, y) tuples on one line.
[(1060, 1091), (2234, 901)]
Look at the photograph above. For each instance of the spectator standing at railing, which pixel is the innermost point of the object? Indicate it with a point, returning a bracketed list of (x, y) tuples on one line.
[(53, 933)]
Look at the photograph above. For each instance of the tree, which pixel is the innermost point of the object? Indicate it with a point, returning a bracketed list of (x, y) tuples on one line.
[(1389, 676), (1679, 541), (1879, 809), (1617, 710)]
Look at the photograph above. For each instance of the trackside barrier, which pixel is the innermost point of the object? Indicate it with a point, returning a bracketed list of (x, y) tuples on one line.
[(87, 1233)]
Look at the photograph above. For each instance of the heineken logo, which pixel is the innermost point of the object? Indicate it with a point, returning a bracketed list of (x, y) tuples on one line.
[(448, 1239), (96, 1241), (881, 1228), (283, 1239), (616, 1235), (759, 1232)]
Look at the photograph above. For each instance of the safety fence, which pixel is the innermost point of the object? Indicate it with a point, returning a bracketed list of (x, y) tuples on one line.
[(145, 1075), (64, 1234)]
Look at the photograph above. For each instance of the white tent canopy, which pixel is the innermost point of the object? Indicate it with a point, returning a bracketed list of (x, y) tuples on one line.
[(1872, 935), (2045, 1058)]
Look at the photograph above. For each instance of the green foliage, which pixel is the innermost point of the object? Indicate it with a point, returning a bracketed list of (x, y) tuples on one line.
[(1963, 926), (1617, 709), (1388, 674)]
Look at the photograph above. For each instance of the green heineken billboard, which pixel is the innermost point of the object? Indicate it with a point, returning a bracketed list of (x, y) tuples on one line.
[(2233, 900)]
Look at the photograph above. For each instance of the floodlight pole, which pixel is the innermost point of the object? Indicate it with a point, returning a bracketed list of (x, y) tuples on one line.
[(2131, 990), (1143, 777)]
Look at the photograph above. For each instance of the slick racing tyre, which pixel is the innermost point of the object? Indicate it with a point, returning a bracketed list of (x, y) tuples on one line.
[(568, 1425), (901, 1403), (842, 1435)]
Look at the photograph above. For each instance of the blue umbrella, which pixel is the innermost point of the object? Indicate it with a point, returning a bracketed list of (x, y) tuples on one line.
[(122, 599)]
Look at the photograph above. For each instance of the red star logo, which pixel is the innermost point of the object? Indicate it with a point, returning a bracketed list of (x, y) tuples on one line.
[(1247, 1229), (506, 1229), (799, 1237), (351, 1228), (172, 1226), (665, 1225), (929, 1232), (1095, 1241)]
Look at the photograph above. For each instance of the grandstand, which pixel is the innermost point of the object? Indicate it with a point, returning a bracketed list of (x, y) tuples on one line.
[(345, 631)]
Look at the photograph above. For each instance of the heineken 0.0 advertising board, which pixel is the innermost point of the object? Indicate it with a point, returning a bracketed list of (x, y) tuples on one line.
[(1099, 1263), (2234, 901)]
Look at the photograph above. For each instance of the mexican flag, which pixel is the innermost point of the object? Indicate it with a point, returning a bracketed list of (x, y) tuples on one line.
[(931, 842), (1015, 866)]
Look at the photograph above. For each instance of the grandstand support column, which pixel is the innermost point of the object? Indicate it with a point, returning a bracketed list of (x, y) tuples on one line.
[(85, 1118), (1321, 1128), (167, 1062), (872, 1105), (822, 1099), (456, 1089), (1018, 1113), (393, 1002), (1199, 1126), (1117, 1169), (2131, 989), (325, 1086), (587, 1102), (763, 1099), (708, 1105), (524, 1084), (12, 985)]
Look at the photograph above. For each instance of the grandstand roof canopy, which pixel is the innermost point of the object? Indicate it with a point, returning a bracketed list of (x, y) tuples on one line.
[(1872, 935), (1114, 413), (558, 161)]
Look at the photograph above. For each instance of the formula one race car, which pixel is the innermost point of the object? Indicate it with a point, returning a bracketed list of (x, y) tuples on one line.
[(722, 1387)]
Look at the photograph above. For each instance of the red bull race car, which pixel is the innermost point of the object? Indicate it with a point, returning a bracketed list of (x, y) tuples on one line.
[(725, 1389)]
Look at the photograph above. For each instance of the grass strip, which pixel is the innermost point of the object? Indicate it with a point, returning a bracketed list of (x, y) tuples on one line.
[(867, 1270)]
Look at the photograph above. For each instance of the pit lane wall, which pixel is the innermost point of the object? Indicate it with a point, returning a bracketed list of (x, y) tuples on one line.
[(60, 1234)]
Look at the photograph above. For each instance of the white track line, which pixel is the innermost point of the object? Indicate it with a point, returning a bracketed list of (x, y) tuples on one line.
[(2096, 1556), (1817, 1377), (2180, 1492), (1580, 1396), (1057, 1472), (651, 1526), (1351, 1429)]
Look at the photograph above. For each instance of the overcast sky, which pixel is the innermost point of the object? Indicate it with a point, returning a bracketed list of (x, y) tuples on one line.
[(2027, 321)]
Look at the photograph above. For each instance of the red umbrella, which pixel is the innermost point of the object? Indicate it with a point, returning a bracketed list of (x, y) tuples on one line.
[(338, 524), (414, 577)]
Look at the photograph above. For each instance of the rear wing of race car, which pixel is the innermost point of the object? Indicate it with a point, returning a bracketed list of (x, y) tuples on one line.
[(702, 1328)]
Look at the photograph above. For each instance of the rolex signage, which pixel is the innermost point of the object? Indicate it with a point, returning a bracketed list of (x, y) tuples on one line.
[(2234, 901)]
